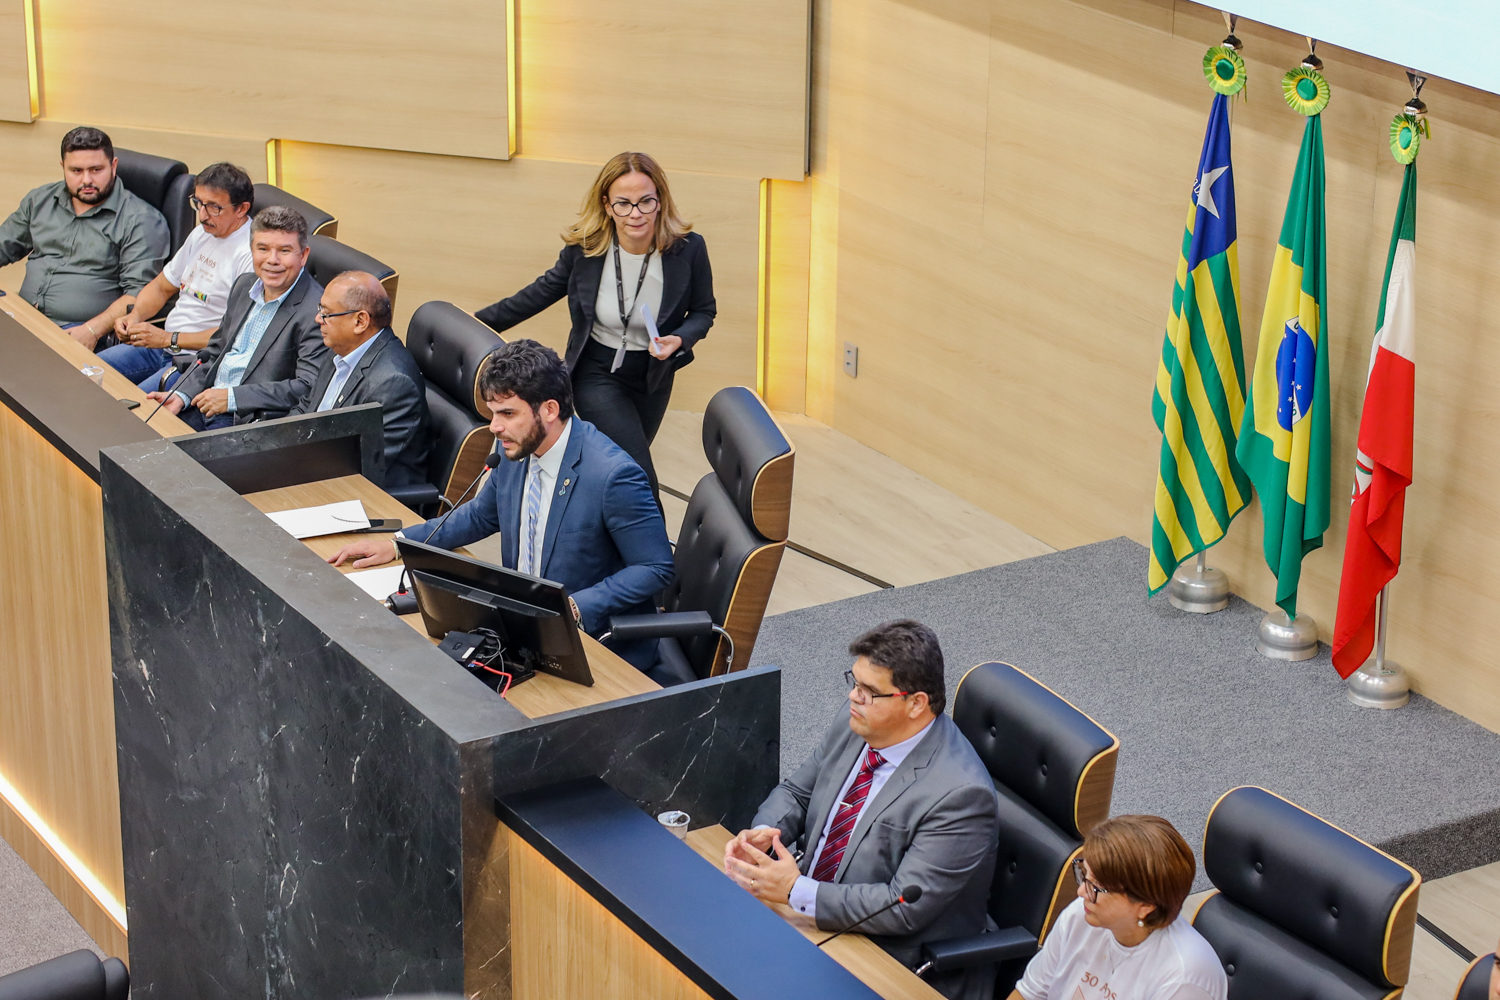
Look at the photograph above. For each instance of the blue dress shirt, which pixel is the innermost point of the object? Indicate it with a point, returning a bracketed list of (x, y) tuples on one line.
[(232, 369)]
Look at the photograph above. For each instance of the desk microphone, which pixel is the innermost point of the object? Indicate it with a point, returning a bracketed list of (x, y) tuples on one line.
[(168, 395), (910, 894), (402, 601)]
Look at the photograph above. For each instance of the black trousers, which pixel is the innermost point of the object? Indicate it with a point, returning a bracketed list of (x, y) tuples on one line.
[(619, 404)]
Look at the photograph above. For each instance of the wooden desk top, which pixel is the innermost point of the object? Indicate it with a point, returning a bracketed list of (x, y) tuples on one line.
[(543, 694), (864, 958), (76, 354)]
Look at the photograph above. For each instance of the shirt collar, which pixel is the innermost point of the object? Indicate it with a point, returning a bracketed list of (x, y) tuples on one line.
[(898, 752), (258, 290), (110, 203), (354, 356), (552, 461)]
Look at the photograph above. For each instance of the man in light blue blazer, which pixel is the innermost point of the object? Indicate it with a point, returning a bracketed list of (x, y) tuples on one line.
[(569, 505)]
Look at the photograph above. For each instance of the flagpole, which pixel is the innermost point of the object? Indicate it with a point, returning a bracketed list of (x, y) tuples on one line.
[(1199, 589), (1380, 683)]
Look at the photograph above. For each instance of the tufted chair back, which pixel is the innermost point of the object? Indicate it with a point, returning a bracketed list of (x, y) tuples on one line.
[(319, 222), (1303, 909), (450, 347), (330, 258), (734, 531), (1476, 982), (163, 183), (1054, 771)]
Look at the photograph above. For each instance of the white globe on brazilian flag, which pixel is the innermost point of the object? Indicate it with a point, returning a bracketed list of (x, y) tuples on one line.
[(1284, 440), (1382, 462)]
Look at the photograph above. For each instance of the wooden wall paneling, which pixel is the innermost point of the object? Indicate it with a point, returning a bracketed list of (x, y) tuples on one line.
[(471, 231), (788, 243), (381, 73), (57, 742), (19, 94), (1033, 338), (553, 921), (720, 88)]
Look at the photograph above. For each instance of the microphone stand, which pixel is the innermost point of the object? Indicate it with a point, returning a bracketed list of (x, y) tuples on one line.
[(910, 894)]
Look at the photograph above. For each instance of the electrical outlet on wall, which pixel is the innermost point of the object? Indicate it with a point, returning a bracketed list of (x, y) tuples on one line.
[(851, 360)]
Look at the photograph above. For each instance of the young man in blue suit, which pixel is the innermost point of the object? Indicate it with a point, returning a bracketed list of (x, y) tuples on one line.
[(569, 505)]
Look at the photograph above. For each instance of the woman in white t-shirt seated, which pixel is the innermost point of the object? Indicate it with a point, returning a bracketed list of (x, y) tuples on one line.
[(1124, 938)]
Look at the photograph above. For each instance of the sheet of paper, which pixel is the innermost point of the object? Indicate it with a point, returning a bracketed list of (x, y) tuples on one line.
[(651, 328), (329, 519), (380, 582)]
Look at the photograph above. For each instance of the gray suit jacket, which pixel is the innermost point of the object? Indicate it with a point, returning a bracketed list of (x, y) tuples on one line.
[(285, 362), (933, 824)]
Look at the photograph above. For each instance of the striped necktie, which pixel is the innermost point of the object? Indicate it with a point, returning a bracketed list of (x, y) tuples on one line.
[(846, 817), (528, 560)]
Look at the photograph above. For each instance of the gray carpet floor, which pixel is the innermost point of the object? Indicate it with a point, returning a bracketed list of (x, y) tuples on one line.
[(33, 924), (1196, 709)]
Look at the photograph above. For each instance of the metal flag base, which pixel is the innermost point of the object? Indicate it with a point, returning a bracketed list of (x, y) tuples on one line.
[(1281, 638), (1369, 687), (1198, 588)]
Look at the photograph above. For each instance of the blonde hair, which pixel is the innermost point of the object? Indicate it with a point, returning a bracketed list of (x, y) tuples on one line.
[(1145, 858), (595, 228)]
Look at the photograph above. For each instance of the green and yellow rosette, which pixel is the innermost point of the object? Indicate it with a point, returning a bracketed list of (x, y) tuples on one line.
[(1406, 136), (1306, 91), (1224, 70)]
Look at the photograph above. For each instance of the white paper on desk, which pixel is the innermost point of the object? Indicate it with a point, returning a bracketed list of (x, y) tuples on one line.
[(651, 329), (379, 583), (329, 519)]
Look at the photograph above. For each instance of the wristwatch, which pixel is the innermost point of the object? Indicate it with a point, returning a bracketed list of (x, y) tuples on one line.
[(174, 343)]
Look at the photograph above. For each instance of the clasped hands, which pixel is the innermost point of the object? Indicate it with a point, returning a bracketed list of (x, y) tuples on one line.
[(210, 402), (138, 334), (761, 865)]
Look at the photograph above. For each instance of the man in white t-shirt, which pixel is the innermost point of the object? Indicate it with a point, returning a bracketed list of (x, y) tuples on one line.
[(200, 274)]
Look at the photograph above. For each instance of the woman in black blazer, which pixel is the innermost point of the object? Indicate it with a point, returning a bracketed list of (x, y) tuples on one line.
[(628, 257)]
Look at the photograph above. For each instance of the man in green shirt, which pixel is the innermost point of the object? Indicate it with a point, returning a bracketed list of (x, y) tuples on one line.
[(87, 240)]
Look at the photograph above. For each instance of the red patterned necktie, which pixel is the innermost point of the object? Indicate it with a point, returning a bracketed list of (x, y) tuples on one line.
[(846, 817)]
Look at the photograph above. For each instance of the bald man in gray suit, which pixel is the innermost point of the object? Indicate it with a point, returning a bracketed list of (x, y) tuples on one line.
[(893, 797)]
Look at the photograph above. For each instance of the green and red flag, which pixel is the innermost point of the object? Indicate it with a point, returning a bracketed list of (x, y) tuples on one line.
[(1284, 440), (1382, 460)]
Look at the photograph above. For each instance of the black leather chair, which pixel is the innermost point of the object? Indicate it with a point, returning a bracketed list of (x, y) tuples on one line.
[(1476, 982), (319, 222), (450, 347), (1054, 772), (730, 545), (1303, 909), (330, 258), (164, 184), (78, 975)]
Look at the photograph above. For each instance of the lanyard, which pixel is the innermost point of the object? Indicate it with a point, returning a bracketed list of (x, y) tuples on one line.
[(620, 293)]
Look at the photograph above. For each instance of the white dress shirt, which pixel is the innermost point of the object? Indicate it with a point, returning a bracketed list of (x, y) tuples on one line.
[(804, 897), (547, 467), (342, 369)]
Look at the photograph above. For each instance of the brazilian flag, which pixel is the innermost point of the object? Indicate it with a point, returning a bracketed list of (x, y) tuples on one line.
[(1284, 441), (1200, 382)]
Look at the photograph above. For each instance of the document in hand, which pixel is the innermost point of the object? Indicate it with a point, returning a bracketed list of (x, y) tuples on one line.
[(329, 519), (651, 328)]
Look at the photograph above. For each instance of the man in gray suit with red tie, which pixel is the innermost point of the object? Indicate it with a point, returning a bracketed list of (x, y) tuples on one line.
[(893, 797)]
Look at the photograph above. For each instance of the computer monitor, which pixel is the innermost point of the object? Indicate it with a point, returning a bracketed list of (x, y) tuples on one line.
[(532, 616)]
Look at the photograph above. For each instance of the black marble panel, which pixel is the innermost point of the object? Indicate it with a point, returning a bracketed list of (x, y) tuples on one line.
[(77, 417), (710, 748), (273, 454)]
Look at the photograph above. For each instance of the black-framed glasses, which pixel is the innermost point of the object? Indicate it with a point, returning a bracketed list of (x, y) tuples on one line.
[(323, 314), (206, 206), (1091, 889), (867, 694), (648, 206)]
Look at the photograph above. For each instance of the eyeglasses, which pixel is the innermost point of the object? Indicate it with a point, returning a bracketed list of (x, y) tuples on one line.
[(206, 206), (323, 314), (1091, 889), (864, 694), (648, 206)]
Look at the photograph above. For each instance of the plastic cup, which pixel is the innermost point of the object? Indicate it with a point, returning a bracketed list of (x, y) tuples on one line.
[(676, 821), (94, 373)]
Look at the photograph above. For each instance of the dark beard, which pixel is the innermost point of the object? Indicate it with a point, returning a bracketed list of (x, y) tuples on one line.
[(532, 442), (96, 198)]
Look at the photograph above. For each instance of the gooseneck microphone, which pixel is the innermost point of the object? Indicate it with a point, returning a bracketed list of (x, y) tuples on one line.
[(402, 601), (910, 894), (163, 401)]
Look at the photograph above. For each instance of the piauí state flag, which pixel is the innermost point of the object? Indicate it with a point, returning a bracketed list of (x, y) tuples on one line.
[(1382, 462), (1200, 382), (1284, 438)]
